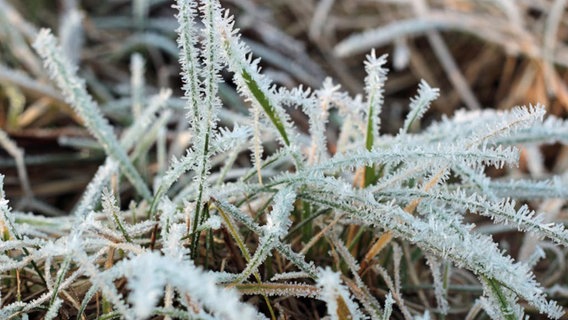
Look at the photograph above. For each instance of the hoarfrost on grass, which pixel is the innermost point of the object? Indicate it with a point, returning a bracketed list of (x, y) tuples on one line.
[(417, 187)]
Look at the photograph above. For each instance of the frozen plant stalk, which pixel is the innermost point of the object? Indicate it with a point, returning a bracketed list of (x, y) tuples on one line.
[(73, 89)]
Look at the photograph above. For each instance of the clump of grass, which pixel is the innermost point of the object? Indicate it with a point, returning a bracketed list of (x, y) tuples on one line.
[(256, 207)]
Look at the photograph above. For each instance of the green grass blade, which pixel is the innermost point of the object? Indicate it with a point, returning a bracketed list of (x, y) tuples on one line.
[(263, 101)]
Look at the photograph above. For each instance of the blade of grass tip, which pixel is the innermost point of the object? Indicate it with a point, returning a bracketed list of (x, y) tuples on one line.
[(73, 89), (374, 89), (250, 82)]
